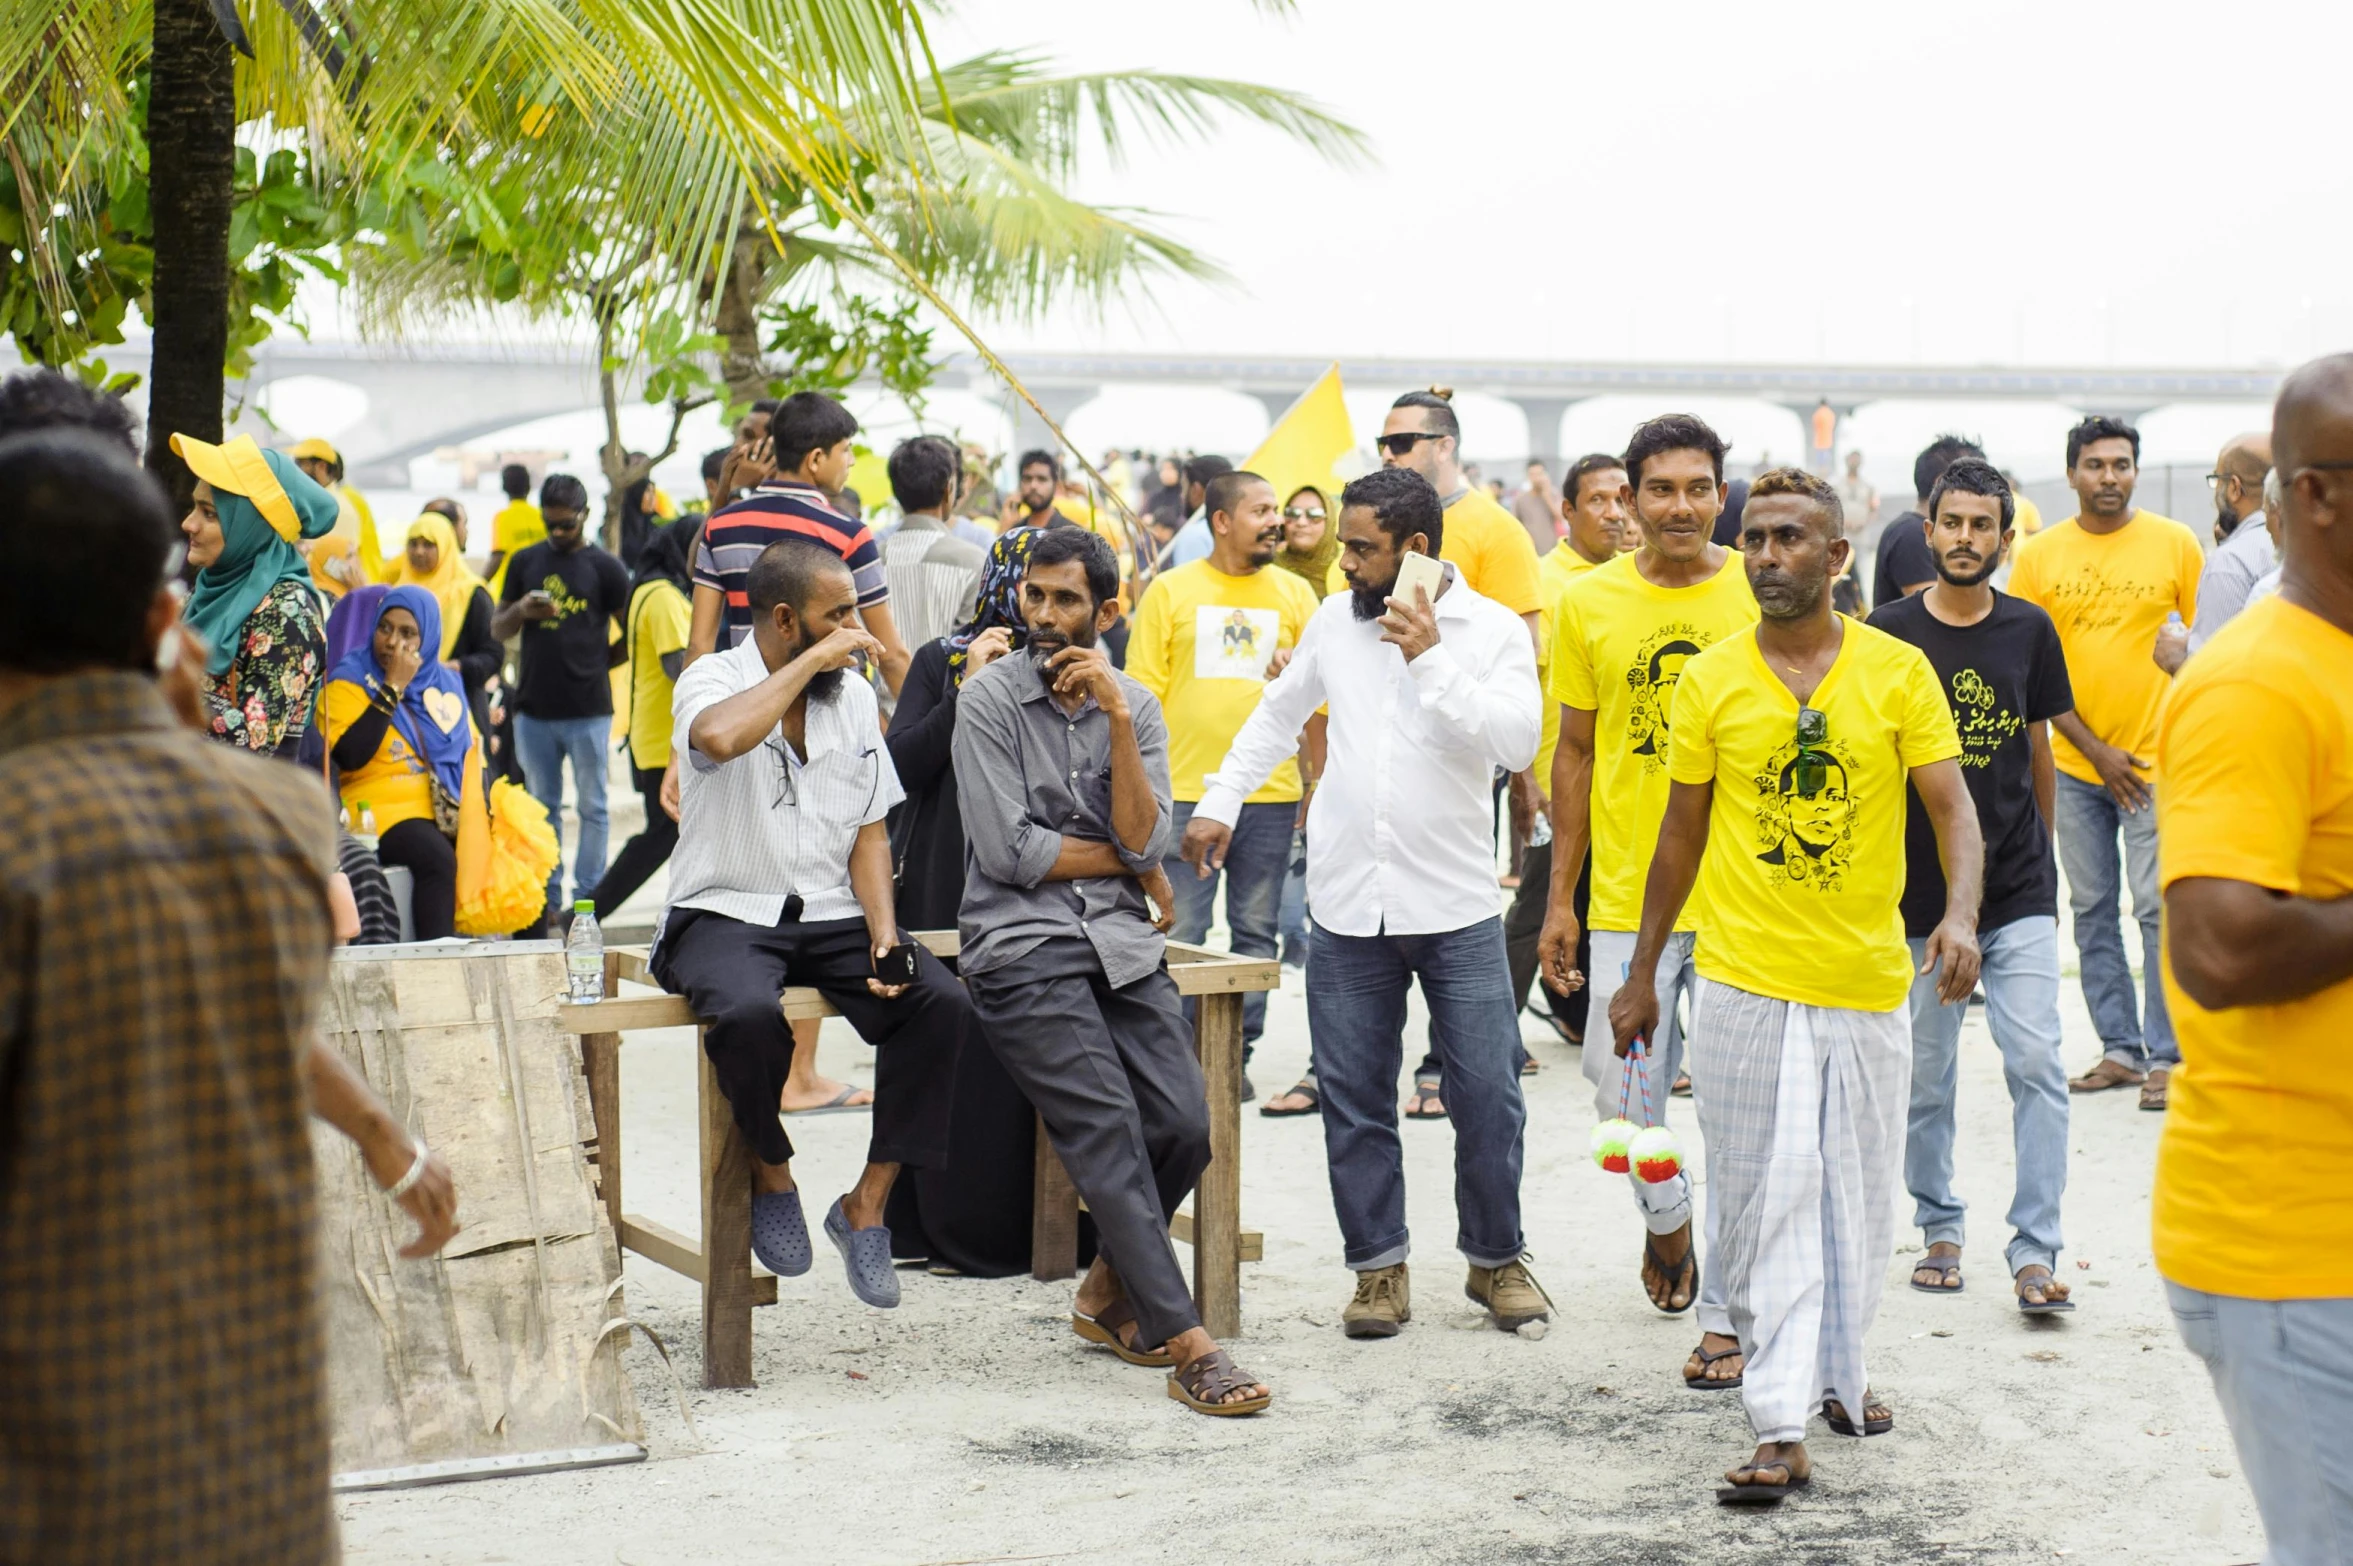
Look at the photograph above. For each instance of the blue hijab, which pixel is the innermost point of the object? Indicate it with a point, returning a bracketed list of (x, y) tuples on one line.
[(444, 750)]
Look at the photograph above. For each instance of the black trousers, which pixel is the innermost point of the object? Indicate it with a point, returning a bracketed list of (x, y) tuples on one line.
[(1523, 923), (643, 854), (1113, 1076), (733, 972), (432, 861)]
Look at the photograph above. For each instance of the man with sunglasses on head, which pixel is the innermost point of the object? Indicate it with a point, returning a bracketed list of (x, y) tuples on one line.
[(2005, 676), (1624, 633), (1791, 747)]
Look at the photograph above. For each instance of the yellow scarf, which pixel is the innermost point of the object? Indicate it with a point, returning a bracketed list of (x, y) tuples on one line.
[(451, 584)]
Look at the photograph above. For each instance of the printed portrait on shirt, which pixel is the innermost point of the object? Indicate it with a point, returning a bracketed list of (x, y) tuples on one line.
[(1985, 724), (1806, 839), (1652, 676), (1234, 644)]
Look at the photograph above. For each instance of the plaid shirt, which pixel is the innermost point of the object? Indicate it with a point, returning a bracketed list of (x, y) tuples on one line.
[(163, 943)]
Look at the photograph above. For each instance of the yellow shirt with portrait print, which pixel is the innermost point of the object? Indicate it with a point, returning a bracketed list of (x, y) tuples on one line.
[(1492, 550), (1555, 570), (2257, 1153), (1802, 893), (1200, 644), (2109, 594), (1619, 647), (392, 784)]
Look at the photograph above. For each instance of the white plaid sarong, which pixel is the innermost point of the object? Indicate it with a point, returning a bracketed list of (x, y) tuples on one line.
[(1804, 1117)]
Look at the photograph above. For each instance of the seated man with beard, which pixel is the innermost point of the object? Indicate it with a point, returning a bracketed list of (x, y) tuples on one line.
[(782, 875)]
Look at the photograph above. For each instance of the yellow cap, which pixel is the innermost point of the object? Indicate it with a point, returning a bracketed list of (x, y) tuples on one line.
[(239, 467), (315, 449)]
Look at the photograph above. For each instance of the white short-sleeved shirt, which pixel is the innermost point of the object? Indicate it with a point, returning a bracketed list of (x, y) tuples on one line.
[(772, 824)]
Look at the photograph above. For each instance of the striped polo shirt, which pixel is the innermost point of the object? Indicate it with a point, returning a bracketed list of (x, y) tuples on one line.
[(781, 508)]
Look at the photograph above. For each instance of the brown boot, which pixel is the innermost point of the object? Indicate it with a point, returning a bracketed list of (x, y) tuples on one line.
[(2153, 1089), (2107, 1074), (1383, 1303), (1511, 1294)]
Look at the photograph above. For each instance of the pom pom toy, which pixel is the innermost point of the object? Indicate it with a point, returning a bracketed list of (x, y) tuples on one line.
[(1612, 1142), (1655, 1154)]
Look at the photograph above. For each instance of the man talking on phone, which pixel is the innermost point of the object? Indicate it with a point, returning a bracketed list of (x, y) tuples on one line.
[(782, 875)]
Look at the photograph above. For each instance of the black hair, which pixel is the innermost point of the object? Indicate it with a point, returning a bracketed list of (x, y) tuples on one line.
[(515, 480), (805, 422), (1974, 476), (441, 506), (1806, 486), (86, 533), (923, 472), (1059, 545), (48, 400), (1572, 483), (767, 405), (1940, 454), (1439, 400), (715, 463), (1672, 432), (2100, 427), (562, 489), (1402, 502), (1040, 458), (1201, 470), (786, 572), (1224, 492)]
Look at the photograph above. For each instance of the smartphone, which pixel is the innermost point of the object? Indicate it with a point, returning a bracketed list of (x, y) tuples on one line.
[(1421, 571), (897, 966)]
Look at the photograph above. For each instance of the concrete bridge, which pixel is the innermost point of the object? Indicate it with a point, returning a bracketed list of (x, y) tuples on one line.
[(424, 396)]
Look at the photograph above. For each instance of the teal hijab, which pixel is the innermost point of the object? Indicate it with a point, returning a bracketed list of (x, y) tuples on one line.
[(253, 558)]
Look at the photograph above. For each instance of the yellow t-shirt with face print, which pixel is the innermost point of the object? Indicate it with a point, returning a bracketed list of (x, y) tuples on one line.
[(1619, 643), (1801, 889)]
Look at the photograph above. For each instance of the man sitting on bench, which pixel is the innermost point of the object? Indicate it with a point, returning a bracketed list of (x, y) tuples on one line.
[(782, 876), (1062, 777)]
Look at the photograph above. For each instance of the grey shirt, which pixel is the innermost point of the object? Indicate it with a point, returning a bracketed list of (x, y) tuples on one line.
[(1026, 777), (2230, 577)]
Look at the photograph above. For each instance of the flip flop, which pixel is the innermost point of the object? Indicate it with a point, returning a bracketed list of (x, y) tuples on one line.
[(1103, 1327), (1424, 1090), (1762, 1494), (1703, 1382), (1682, 1087), (1676, 1274), (1315, 1103), (1561, 1030), (1943, 1267), (1840, 1424), (2027, 1307), (839, 1104)]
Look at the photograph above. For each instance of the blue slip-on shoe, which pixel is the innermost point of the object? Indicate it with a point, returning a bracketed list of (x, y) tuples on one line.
[(867, 1255), (780, 1235)]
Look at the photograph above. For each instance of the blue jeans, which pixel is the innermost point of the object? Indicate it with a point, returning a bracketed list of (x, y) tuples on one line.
[(1257, 859), (543, 745), (2283, 1371), (2021, 979), (2090, 821), (1356, 1012)]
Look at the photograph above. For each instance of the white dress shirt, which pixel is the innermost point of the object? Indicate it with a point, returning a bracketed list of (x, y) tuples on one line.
[(1401, 833), (771, 823)]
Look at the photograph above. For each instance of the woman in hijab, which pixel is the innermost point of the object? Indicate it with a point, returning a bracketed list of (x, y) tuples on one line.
[(971, 1215), (397, 723), (432, 560), (1311, 539), (253, 602), (661, 616)]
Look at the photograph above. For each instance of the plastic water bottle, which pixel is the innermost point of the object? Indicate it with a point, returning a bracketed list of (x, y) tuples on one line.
[(584, 955), (367, 826)]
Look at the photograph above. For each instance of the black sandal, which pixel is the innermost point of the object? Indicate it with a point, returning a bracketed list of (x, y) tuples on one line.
[(1201, 1385), (1763, 1494), (1945, 1267), (1680, 1276), (1840, 1424), (1425, 1090), (1305, 1090), (1703, 1382)]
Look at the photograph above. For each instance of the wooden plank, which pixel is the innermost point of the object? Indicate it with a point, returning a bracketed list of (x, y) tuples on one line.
[(1180, 1229), (727, 1234), (1227, 975), (666, 1247), (625, 1013), (1053, 1216), (1217, 1200)]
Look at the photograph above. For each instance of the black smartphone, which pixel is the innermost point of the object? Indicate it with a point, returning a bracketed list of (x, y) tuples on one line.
[(896, 966)]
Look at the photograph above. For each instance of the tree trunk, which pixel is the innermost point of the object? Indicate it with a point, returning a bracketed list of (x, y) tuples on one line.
[(742, 364), (191, 182)]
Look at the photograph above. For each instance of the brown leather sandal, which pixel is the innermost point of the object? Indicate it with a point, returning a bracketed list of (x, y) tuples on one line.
[(1201, 1384), (1103, 1328)]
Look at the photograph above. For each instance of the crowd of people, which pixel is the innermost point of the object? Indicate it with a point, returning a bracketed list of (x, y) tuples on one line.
[(1773, 821)]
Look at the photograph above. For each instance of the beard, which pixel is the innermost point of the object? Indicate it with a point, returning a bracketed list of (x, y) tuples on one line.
[(1045, 644), (826, 688), (1370, 603), (1781, 596), (1953, 578)]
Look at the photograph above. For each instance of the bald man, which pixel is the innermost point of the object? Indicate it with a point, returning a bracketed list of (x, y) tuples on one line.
[(2256, 843), (2246, 554)]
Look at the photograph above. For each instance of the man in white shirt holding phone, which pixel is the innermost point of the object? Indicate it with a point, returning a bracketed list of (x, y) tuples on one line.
[(1431, 687)]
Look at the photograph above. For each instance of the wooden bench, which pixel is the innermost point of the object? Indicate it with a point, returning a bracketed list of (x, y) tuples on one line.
[(721, 1259)]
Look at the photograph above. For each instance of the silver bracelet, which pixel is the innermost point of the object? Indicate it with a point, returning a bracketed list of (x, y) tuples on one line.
[(407, 1182)]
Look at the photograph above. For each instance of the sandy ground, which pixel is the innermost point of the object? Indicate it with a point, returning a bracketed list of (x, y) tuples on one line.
[(970, 1425)]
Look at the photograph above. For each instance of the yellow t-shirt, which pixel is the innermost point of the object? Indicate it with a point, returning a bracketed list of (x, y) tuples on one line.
[(1555, 570), (393, 783), (2109, 595), (1200, 643), (372, 559), (338, 563), (2257, 1153), (2026, 518), (1618, 651), (1801, 894), (659, 618), (516, 526), (1493, 552)]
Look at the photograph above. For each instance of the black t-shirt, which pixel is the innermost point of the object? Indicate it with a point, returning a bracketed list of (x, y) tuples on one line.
[(565, 660), (2001, 675), (1904, 559)]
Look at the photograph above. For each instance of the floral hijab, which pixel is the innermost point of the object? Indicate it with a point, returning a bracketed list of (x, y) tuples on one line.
[(1000, 595)]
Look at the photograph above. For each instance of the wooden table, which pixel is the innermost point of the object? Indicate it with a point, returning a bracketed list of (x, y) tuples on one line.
[(720, 1260)]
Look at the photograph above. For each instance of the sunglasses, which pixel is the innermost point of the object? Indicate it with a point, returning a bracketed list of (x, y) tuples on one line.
[(1399, 445), (1304, 514), (1813, 763)]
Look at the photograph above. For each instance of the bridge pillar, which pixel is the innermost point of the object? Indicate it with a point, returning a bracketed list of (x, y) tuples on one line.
[(1544, 415), (1060, 402)]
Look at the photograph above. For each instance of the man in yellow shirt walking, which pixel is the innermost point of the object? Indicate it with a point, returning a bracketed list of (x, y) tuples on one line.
[(2109, 577), (1791, 747), (2253, 1212), (1205, 643)]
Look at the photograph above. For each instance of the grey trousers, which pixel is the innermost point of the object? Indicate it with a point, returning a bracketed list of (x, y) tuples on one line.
[(1111, 1072)]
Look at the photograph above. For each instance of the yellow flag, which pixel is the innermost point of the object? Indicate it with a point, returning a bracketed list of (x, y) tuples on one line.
[(1308, 442)]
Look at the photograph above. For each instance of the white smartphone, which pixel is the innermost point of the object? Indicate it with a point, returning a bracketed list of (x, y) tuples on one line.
[(1422, 571)]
